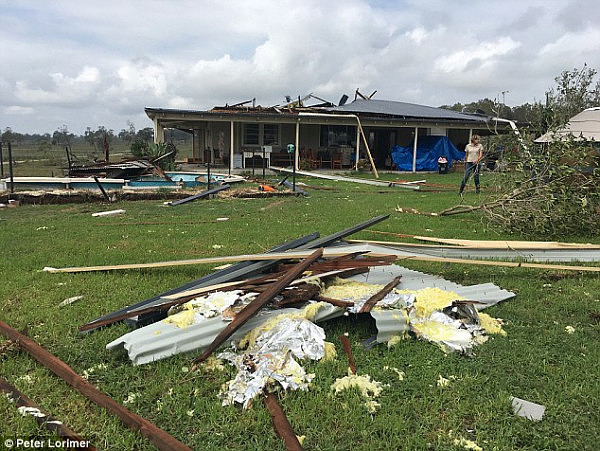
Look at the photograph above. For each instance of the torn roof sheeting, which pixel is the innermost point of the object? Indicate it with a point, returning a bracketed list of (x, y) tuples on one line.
[(160, 340)]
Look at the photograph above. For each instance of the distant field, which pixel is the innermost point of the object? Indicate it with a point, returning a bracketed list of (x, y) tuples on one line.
[(30, 160)]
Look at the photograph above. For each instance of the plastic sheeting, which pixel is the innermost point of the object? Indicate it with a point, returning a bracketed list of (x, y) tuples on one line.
[(429, 149)]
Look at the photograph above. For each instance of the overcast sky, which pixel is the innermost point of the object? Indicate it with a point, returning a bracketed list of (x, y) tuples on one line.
[(89, 63)]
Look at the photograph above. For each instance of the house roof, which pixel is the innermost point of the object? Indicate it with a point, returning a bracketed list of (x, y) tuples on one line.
[(582, 126), (371, 112), (405, 110)]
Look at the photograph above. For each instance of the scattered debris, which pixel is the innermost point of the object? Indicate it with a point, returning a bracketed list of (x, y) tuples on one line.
[(347, 179), (444, 382), (159, 437), (414, 211), (570, 329), (201, 195), (109, 213), (71, 300), (368, 388), (467, 444), (348, 350), (401, 374), (27, 407), (281, 423), (261, 300), (527, 409)]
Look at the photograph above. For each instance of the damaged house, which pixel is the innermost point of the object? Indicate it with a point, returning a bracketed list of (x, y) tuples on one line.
[(324, 136)]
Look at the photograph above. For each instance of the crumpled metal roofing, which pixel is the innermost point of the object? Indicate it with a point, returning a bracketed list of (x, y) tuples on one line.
[(160, 340)]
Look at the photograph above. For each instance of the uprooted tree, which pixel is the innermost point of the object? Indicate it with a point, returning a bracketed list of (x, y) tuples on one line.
[(552, 189)]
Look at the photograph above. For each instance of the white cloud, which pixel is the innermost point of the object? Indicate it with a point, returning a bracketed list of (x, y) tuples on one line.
[(484, 55), (575, 44), (65, 90), (18, 110), (68, 62)]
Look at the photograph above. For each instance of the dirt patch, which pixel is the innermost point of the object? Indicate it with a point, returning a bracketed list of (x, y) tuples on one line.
[(85, 196)]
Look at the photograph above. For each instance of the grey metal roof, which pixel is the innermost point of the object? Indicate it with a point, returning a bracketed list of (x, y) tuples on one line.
[(407, 110), (161, 340)]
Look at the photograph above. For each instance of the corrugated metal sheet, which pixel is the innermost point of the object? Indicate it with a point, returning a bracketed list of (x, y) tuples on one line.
[(403, 109), (160, 340), (339, 178), (532, 255)]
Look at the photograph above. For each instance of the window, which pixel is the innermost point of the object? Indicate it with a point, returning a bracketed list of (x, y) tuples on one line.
[(338, 135), (261, 134), (270, 134), (251, 134)]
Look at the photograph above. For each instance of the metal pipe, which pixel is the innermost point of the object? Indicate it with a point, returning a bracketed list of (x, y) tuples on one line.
[(1, 162), (231, 149), (10, 168), (362, 133), (296, 151), (414, 167)]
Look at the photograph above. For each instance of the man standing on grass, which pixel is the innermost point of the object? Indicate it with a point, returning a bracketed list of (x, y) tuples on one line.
[(473, 155)]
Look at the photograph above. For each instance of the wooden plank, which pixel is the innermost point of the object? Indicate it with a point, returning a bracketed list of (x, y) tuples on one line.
[(160, 438), (348, 350), (495, 244), (258, 303), (200, 261), (283, 428), (370, 303)]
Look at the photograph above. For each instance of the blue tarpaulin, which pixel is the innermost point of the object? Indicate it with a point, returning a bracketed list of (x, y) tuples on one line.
[(429, 149)]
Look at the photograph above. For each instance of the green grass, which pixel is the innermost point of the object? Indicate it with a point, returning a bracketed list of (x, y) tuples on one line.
[(537, 360)]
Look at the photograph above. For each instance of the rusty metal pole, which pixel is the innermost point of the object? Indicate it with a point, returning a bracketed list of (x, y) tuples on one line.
[(160, 438)]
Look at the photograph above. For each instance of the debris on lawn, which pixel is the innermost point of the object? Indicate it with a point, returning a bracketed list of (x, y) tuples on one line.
[(267, 311), (160, 438), (202, 195), (401, 374), (467, 444), (26, 407), (527, 409), (109, 213), (270, 359), (69, 301), (570, 329), (367, 387), (444, 382)]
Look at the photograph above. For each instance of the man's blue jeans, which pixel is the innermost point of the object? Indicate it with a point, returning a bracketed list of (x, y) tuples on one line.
[(469, 169)]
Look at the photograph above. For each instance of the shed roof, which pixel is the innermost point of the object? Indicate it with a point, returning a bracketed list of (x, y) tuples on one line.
[(582, 126)]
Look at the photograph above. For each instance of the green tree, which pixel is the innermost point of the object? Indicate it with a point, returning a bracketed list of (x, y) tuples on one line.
[(575, 91)]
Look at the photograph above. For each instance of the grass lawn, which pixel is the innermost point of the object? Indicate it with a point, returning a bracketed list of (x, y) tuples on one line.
[(537, 360)]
